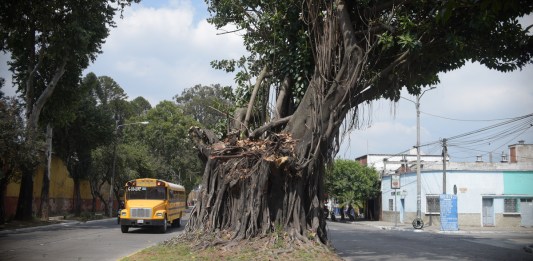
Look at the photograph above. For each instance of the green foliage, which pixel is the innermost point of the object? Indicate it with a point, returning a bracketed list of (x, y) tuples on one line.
[(140, 106), (16, 152), (211, 105), (90, 129), (436, 36), (164, 144), (275, 35), (349, 182), (135, 160)]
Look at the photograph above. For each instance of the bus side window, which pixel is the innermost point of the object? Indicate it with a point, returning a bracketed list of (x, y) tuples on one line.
[(173, 195)]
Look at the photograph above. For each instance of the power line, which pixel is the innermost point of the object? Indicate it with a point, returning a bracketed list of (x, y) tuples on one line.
[(491, 127), (492, 134), (452, 119)]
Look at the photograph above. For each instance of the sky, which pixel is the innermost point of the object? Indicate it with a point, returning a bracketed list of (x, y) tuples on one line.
[(159, 48)]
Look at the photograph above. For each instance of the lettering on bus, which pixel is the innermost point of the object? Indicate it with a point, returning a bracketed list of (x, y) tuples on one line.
[(146, 182), (136, 188)]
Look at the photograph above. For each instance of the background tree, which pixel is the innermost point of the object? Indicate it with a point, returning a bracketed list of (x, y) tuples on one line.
[(166, 137), (99, 170), (350, 183), (357, 51), (140, 106), (209, 105), (75, 142), (45, 39), (16, 154)]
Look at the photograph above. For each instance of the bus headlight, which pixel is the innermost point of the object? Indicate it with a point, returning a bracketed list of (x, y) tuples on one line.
[(159, 214), (123, 213)]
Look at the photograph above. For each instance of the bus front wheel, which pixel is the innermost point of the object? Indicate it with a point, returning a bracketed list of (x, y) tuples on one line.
[(164, 227), (124, 229)]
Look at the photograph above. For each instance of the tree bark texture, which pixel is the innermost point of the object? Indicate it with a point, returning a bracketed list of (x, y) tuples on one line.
[(25, 201), (77, 196), (3, 190), (248, 192), (44, 207), (251, 188)]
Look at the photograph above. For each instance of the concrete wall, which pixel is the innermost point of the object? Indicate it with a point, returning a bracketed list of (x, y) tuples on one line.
[(518, 182), (523, 152), (465, 219)]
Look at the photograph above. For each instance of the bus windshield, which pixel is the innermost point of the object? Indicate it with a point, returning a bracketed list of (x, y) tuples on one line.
[(146, 193)]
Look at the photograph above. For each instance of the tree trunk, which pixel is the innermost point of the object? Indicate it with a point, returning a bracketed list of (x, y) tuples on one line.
[(33, 118), (258, 83), (283, 101), (3, 190), (96, 187), (25, 200), (77, 197), (44, 207), (249, 192), (256, 186)]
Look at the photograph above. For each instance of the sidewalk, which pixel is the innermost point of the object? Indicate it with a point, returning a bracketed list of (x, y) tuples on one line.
[(436, 228)]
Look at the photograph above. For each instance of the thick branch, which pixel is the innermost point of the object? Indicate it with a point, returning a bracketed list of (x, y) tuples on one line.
[(252, 99), (272, 124), (283, 98), (47, 93)]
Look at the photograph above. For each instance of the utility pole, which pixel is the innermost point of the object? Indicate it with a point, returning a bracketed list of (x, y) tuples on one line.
[(418, 223), (444, 153)]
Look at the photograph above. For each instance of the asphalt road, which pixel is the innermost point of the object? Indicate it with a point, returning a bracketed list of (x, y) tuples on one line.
[(361, 242), (95, 240), (102, 240)]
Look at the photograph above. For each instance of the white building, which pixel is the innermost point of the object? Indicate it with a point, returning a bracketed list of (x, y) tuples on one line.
[(387, 164), (488, 194)]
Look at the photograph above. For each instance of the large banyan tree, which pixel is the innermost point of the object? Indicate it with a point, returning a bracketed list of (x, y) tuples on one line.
[(324, 60)]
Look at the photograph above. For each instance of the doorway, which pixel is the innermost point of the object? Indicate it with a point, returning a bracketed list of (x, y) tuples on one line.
[(488, 212)]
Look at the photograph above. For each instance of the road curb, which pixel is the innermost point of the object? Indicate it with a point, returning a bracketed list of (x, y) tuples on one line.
[(64, 223)]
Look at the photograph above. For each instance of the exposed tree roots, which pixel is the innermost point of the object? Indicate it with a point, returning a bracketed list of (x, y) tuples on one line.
[(251, 189), (275, 245)]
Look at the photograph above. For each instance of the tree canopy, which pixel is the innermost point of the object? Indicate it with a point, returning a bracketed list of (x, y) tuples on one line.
[(50, 44), (323, 60), (209, 105), (350, 183)]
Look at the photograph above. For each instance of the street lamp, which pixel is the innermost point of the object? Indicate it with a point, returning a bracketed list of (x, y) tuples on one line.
[(418, 223), (117, 126)]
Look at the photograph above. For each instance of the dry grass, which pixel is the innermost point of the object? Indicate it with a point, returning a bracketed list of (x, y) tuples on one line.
[(268, 248)]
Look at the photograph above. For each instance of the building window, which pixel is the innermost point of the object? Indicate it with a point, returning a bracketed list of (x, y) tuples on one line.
[(391, 205), (433, 204), (510, 205), (526, 200)]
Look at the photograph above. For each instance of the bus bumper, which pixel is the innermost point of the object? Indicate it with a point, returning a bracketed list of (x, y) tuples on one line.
[(141, 222)]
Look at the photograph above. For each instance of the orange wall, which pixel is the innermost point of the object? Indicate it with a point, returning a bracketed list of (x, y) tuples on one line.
[(61, 191)]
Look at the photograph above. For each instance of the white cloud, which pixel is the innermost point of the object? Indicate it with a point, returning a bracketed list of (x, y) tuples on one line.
[(157, 52), (479, 92), (472, 93)]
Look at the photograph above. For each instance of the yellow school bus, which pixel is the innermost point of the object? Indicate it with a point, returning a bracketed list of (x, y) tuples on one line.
[(152, 202)]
